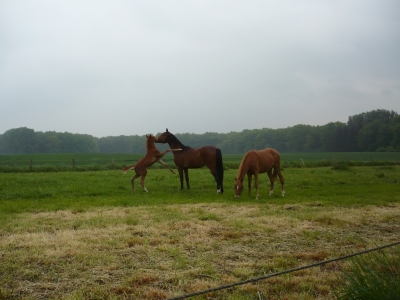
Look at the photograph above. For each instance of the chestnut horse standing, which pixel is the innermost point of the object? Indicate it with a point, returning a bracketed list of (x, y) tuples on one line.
[(193, 158), (255, 162), (153, 155)]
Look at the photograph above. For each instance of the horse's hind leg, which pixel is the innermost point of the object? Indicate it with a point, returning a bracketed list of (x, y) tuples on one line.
[(142, 182), (217, 180), (133, 179), (282, 180), (271, 180)]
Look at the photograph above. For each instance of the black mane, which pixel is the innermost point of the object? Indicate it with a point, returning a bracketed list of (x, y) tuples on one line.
[(174, 140)]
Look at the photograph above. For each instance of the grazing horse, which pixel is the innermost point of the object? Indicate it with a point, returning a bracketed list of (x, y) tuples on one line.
[(193, 158), (152, 156), (255, 162)]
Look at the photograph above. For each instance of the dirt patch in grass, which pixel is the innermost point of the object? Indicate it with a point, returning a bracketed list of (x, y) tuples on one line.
[(165, 251)]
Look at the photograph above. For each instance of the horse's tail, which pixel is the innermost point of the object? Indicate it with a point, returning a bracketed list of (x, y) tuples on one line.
[(220, 168), (128, 168)]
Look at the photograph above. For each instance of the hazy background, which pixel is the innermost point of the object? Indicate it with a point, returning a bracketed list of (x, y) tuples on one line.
[(110, 68)]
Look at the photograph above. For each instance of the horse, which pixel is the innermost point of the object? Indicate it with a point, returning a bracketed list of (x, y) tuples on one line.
[(193, 158), (255, 162), (152, 156)]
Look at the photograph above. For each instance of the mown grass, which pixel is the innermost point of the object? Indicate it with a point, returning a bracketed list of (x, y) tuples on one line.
[(87, 235)]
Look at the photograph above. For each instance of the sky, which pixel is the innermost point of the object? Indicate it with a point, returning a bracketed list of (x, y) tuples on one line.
[(124, 67)]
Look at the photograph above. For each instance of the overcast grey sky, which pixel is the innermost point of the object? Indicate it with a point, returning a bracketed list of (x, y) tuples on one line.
[(109, 68)]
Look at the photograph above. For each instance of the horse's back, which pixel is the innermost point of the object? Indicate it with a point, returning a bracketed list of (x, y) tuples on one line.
[(267, 158), (195, 157)]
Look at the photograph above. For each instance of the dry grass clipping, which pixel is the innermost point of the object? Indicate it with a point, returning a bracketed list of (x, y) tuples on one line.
[(160, 252)]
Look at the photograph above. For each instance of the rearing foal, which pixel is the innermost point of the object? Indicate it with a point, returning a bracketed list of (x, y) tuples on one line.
[(152, 155), (255, 162), (193, 158)]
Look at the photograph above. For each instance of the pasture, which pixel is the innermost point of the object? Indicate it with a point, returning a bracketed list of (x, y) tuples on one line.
[(101, 161), (87, 235)]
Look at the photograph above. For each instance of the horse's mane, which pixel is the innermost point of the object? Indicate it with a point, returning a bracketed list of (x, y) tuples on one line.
[(172, 138), (241, 163)]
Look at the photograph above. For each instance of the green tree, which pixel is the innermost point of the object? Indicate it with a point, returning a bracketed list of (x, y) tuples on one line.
[(19, 141)]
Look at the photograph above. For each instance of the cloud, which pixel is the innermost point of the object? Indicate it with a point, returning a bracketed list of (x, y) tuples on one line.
[(136, 67)]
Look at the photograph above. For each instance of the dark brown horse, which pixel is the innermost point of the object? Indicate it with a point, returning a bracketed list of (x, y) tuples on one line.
[(193, 158), (152, 155), (255, 162)]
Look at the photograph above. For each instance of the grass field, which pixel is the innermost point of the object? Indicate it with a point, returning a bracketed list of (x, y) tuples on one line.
[(97, 161), (87, 235)]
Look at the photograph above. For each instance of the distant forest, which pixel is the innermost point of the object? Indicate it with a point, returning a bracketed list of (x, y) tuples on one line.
[(377, 130)]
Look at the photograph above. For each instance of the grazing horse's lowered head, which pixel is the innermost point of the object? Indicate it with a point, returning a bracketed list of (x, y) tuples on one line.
[(238, 187)]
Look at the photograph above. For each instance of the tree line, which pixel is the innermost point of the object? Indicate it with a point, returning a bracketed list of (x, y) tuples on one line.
[(377, 130)]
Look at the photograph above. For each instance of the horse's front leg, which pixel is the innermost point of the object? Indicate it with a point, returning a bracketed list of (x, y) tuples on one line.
[(249, 179), (165, 165), (256, 184), (187, 178), (161, 154), (271, 180), (180, 170)]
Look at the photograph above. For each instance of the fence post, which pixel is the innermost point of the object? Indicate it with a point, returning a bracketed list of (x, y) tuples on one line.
[(302, 161), (73, 162)]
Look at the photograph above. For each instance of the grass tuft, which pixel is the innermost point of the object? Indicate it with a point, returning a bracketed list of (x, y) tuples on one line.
[(375, 275)]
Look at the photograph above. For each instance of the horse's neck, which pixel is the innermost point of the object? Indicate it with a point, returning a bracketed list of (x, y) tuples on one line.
[(243, 168), (175, 144), (150, 146)]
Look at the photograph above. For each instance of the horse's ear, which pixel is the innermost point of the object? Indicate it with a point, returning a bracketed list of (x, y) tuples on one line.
[(166, 130)]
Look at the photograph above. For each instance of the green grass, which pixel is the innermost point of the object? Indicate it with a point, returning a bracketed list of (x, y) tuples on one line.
[(87, 235), (99, 161), (375, 275), (32, 192)]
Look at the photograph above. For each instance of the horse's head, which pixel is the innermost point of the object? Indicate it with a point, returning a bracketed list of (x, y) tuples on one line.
[(238, 187), (151, 139), (163, 138)]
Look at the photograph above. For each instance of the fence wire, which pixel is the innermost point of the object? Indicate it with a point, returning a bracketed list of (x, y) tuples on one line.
[(227, 286)]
